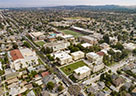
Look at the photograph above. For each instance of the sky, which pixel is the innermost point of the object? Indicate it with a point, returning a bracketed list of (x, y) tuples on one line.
[(44, 3)]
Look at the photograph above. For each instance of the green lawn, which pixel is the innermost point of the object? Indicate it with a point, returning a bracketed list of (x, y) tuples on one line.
[(40, 43), (70, 68), (76, 34)]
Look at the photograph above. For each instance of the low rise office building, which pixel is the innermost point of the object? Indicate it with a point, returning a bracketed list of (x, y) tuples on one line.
[(77, 55), (63, 57), (57, 46), (82, 72)]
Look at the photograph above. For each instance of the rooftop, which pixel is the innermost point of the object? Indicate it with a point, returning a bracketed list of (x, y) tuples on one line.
[(93, 55), (86, 45), (62, 55), (77, 53), (16, 54), (36, 34), (82, 70)]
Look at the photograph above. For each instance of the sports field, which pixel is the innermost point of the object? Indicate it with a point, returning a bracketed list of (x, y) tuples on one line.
[(40, 43), (76, 34)]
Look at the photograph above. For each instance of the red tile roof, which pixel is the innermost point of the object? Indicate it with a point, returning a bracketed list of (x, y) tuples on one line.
[(19, 95), (44, 74), (36, 76), (100, 53), (16, 54)]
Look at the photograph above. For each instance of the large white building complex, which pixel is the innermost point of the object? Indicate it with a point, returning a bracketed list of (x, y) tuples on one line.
[(63, 57), (78, 55), (37, 35), (82, 72), (22, 58), (57, 46), (96, 60)]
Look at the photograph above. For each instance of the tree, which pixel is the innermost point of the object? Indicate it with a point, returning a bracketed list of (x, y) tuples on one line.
[(134, 51), (15, 46), (111, 52), (26, 44), (60, 88), (50, 85), (1, 72), (119, 37), (96, 48), (73, 48), (51, 58), (119, 46), (106, 38), (124, 54), (132, 33)]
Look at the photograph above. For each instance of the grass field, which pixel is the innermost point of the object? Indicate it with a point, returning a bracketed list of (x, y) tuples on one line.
[(70, 68), (76, 34), (40, 43)]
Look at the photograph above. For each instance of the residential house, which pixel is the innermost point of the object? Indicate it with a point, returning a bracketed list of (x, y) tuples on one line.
[(134, 92), (129, 46), (105, 46), (118, 81)]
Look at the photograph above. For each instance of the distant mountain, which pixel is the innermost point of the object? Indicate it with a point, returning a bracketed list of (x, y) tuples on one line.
[(115, 8), (101, 7)]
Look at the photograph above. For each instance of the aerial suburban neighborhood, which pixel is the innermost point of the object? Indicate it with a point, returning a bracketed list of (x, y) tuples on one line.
[(67, 51)]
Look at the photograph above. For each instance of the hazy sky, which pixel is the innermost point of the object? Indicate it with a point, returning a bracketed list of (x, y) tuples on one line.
[(32, 3)]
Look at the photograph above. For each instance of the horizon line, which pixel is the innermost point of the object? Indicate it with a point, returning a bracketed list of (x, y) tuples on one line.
[(24, 6)]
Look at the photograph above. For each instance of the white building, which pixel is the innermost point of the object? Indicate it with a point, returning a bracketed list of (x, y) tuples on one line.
[(82, 72), (78, 55), (22, 58), (105, 46), (81, 30), (37, 35), (68, 37), (129, 46), (63, 57), (113, 40), (88, 39), (86, 45), (96, 60), (57, 46)]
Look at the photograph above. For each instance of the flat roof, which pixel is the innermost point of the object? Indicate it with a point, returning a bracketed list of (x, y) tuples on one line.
[(16, 54), (86, 45), (81, 29), (82, 70), (67, 36), (77, 53), (36, 34), (62, 55), (93, 55)]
